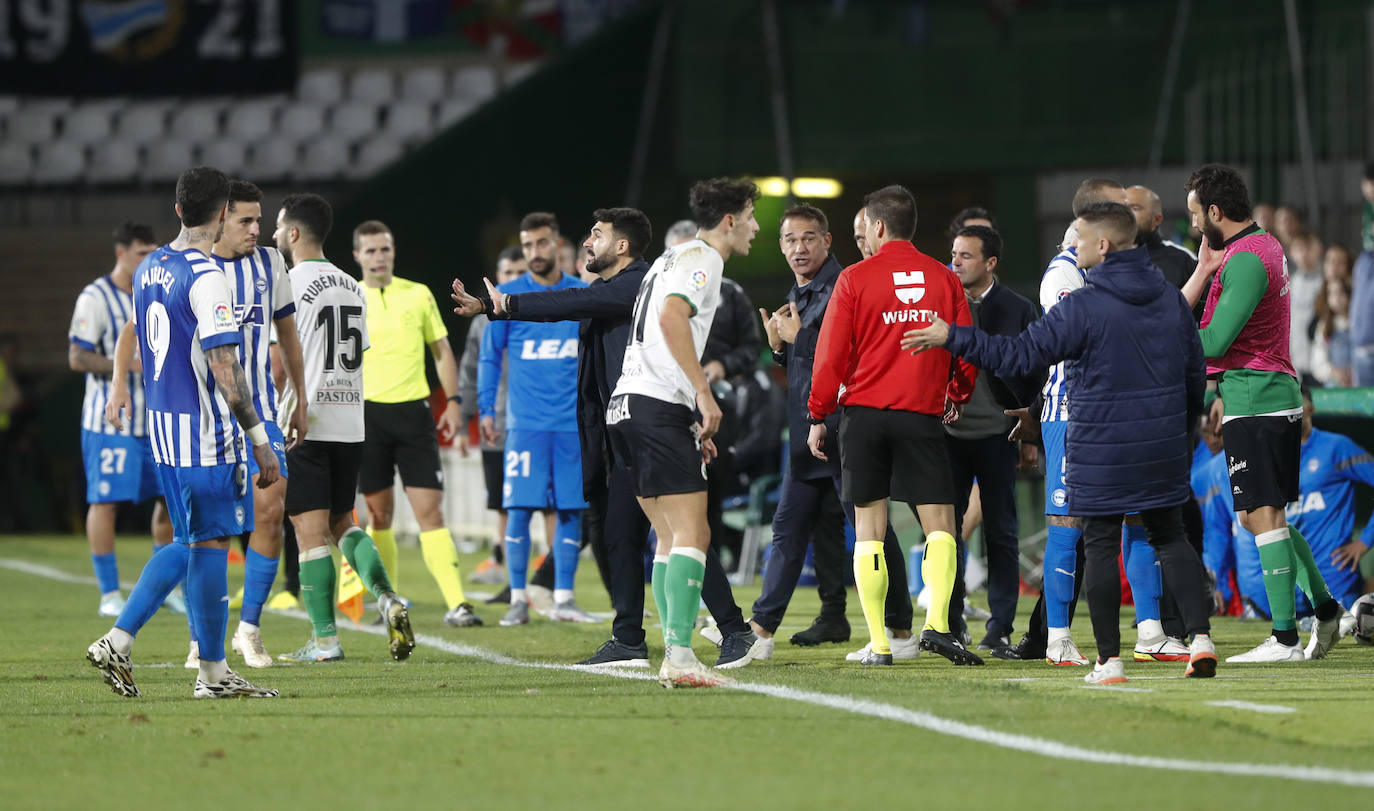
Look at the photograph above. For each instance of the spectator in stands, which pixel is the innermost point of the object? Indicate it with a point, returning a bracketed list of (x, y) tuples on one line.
[(1330, 337), (1288, 226), (678, 233), (1362, 320), (1305, 287), (1367, 220), (973, 215), (1336, 264), (1264, 216)]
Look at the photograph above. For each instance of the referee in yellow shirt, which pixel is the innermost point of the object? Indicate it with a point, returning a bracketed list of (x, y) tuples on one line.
[(402, 319)]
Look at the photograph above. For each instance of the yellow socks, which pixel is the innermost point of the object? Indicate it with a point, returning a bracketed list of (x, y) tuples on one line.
[(937, 569), (870, 577), (385, 539), (442, 559)]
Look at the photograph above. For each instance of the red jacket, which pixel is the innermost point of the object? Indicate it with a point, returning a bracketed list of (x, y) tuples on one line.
[(874, 303)]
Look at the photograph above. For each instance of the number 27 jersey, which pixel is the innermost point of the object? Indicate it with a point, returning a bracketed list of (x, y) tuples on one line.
[(331, 319)]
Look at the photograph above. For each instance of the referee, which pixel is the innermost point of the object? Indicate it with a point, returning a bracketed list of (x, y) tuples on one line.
[(402, 319), (892, 443)]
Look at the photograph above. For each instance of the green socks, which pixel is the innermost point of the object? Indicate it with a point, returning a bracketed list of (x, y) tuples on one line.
[(361, 553), (317, 589), (870, 579), (659, 584), (1309, 576), (684, 573), (1277, 557)]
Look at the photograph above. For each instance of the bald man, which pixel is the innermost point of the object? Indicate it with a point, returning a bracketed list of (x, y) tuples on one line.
[(860, 240), (1173, 260)]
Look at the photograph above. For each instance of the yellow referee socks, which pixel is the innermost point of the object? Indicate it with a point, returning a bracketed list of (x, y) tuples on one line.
[(442, 559), (385, 539), (937, 569), (870, 577)]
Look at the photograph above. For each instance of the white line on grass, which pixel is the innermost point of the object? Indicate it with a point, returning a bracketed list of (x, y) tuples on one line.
[(1114, 688), (1269, 709), (873, 709)]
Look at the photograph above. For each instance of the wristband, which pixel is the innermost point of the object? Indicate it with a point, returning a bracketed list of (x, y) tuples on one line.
[(258, 434), (814, 420), (455, 398)]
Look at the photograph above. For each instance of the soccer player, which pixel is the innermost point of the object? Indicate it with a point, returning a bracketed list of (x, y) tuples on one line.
[(319, 497), (892, 443), (403, 320), (543, 462), (1245, 335), (199, 410), (650, 413), (261, 294), (119, 464), (1137, 384)]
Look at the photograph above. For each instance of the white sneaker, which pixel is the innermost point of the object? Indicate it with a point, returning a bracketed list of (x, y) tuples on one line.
[(193, 656), (691, 674), (1271, 650), (1347, 624), (231, 686), (111, 604), (175, 602), (1202, 658), (570, 611), (1160, 649), (1064, 653), (908, 648), (248, 644), (1113, 672), (1324, 637), (115, 667), (541, 600)]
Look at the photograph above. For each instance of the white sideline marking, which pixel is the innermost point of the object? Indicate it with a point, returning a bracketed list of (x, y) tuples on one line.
[(1115, 688), (1270, 709), (857, 706)]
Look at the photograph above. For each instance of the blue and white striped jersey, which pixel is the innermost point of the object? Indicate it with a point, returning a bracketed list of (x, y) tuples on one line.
[(261, 294), (182, 307), (1061, 278), (101, 312)]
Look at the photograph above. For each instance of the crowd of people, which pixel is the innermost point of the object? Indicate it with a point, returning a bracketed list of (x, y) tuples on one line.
[(256, 390)]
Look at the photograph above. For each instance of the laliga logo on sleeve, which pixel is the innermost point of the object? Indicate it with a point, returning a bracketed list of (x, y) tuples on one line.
[(908, 290), (698, 278), (224, 316)]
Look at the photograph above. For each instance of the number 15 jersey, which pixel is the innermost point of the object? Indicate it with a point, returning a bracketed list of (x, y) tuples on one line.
[(331, 319)]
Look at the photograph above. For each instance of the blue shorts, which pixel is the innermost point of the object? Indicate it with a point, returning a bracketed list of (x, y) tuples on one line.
[(118, 468), (543, 469), (1056, 492), (278, 443), (206, 503)]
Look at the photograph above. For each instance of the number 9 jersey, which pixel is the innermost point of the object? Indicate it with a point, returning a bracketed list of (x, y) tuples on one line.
[(331, 319)]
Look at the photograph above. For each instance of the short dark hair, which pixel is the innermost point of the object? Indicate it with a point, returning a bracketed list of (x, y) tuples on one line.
[(126, 232), (1222, 186), (806, 211), (309, 212), (368, 228), (512, 254), (1091, 191), (241, 191), (201, 193), (1115, 219), (539, 219), (1369, 171), (970, 213), (992, 241), (896, 207), (629, 224), (710, 200)]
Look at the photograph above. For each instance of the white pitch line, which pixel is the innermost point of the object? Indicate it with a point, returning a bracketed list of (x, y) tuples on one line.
[(1115, 688), (873, 709), (1268, 709)]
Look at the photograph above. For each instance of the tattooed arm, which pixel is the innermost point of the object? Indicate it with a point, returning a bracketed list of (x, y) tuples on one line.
[(233, 385)]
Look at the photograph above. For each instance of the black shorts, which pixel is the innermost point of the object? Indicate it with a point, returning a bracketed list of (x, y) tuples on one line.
[(324, 476), (400, 436), (1264, 457), (656, 442), (900, 455), (494, 473)]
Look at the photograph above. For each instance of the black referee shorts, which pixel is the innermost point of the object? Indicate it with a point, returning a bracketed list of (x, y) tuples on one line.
[(894, 454), (324, 476), (1264, 458), (657, 443), (400, 436)]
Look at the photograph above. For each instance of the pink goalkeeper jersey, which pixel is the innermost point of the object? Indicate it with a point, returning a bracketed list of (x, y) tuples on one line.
[(1263, 343)]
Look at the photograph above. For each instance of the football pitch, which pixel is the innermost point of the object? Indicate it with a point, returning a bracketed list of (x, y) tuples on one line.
[(493, 718)]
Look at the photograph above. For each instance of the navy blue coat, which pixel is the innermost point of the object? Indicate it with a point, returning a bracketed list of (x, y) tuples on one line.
[(1135, 383), (797, 358)]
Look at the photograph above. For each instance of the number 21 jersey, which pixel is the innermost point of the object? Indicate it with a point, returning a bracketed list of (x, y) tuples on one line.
[(331, 319)]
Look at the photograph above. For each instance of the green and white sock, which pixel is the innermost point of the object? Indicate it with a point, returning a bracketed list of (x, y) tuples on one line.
[(361, 553), (317, 589), (685, 572), (1280, 579), (1310, 578), (659, 584)]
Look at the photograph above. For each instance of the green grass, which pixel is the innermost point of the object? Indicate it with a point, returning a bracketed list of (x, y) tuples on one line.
[(454, 731)]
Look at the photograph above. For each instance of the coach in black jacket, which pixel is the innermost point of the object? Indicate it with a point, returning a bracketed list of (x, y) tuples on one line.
[(978, 444), (617, 526)]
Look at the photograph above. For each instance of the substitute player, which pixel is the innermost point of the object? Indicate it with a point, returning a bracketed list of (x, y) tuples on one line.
[(119, 463), (1245, 335), (543, 461), (319, 497), (650, 413), (403, 320), (262, 300), (199, 410), (892, 443)]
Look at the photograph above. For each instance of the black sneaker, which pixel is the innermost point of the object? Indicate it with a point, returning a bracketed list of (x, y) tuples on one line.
[(999, 646), (741, 648), (1028, 649), (823, 629), (502, 597), (615, 653), (949, 647), (872, 658)]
